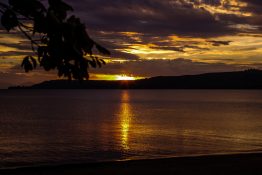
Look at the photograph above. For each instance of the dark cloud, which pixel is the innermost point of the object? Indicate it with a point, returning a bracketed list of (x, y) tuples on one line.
[(210, 2), (14, 53), (178, 46), (253, 21), (196, 47), (254, 6), (150, 17), (153, 18), (247, 49), (172, 48), (219, 43), (182, 48), (152, 23), (106, 20), (21, 46), (122, 55)]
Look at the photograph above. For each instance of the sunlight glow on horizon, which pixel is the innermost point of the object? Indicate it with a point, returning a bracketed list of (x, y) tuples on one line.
[(115, 77), (219, 35), (124, 77)]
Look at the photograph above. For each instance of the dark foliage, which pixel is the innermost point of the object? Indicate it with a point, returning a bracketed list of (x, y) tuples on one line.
[(59, 40)]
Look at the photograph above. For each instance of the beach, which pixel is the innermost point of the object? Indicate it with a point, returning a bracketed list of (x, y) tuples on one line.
[(246, 163)]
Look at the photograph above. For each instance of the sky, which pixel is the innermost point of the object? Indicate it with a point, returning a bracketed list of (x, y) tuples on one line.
[(155, 38)]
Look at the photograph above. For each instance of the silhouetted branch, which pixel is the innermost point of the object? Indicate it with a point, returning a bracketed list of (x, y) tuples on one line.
[(3, 5), (26, 27), (64, 41), (28, 36)]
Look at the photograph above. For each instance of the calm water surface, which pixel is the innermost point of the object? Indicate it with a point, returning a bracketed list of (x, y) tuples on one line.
[(76, 126)]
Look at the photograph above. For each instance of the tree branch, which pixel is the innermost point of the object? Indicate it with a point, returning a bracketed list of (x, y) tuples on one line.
[(27, 27), (28, 36), (3, 5)]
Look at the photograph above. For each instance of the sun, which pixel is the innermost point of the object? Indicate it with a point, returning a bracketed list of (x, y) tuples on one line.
[(124, 77)]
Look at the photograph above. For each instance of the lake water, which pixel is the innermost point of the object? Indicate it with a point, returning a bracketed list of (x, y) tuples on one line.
[(77, 126)]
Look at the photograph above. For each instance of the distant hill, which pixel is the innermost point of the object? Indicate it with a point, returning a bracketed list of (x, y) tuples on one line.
[(249, 79)]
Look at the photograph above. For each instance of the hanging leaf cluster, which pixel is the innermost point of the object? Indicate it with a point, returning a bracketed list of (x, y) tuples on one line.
[(60, 41)]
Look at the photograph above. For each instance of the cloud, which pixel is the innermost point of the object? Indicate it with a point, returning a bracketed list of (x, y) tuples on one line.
[(254, 6), (219, 43), (123, 24), (217, 31), (151, 17), (120, 24), (22, 45)]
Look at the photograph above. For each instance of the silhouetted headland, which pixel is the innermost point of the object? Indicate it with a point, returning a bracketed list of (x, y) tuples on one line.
[(248, 79)]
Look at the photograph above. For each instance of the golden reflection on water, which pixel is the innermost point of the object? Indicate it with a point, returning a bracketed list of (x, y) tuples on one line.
[(125, 115)]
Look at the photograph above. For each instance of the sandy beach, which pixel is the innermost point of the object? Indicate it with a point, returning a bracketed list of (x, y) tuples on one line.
[(249, 164)]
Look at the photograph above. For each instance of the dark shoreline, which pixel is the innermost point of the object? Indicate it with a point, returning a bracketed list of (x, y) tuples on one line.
[(249, 79), (244, 163)]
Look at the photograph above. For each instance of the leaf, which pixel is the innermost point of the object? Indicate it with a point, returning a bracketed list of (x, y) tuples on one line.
[(63, 40), (61, 70), (28, 8), (88, 46), (60, 8), (46, 62), (3, 5), (59, 3), (26, 64), (41, 51), (44, 39), (98, 62), (40, 24), (9, 20), (24, 61), (76, 73), (102, 61), (102, 49), (86, 42), (87, 76), (92, 63), (33, 60)]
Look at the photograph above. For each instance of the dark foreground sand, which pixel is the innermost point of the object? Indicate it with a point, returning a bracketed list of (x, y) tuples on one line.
[(236, 164)]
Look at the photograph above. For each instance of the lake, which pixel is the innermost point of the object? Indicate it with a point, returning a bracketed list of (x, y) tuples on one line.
[(39, 127)]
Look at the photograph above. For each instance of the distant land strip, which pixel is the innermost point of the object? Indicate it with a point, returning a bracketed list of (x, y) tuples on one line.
[(248, 79)]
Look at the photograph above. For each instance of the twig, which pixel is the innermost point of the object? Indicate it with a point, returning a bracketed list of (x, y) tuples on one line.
[(26, 27), (24, 19), (29, 37), (3, 5)]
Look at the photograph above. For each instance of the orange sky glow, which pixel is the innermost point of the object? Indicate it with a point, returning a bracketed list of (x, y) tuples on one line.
[(155, 38)]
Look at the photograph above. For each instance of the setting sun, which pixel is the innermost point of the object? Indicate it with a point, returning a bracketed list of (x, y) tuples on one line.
[(112, 77), (124, 77)]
